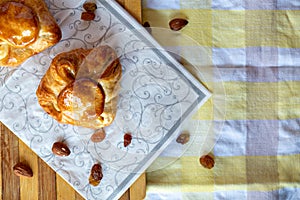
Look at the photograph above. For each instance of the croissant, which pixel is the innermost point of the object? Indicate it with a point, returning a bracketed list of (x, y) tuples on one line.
[(81, 87), (27, 28)]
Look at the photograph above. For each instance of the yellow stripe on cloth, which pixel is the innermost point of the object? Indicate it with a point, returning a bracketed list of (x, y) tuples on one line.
[(199, 27), (262, 173), (205, 112), (229, 28), (157, 18), (195, 178), (288, 169), (167, 179), (235, 28), (238, 29), (289, 100), (235, 101), (190, 176), (262, 101), (289, 28), (254, 101), (230, 173), (261, 28), (273, 28), (184, 175)]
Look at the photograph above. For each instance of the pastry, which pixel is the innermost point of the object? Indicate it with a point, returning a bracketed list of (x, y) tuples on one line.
[(27, 28), (81, 87)]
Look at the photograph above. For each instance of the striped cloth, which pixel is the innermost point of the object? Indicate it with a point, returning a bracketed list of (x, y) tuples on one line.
[(255, 44)]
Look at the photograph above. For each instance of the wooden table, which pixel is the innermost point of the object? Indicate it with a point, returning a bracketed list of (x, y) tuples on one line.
[(46, 184)]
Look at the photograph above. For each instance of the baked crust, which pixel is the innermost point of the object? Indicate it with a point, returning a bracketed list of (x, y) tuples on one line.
[(27, 28), (81, 87)]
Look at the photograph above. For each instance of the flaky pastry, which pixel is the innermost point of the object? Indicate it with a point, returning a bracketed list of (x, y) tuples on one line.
[(80, 87), (27, 28)]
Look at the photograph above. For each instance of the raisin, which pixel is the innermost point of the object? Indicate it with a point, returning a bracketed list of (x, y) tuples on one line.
[(207, 161), (98, 136), (96, 175), (87, 16), (127, 139), (183, 138)]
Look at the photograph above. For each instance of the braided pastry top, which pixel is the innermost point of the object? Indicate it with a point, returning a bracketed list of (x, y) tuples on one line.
[(81, 87), (27, 28)]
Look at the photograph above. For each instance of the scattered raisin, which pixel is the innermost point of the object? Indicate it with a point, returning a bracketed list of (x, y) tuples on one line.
[(98, 136), (183, 138), (87, 16), (177, 24), (147, 27), (21, 169), (96, 175), (90, 6), (207, 161), (127, 139), (60, 149)]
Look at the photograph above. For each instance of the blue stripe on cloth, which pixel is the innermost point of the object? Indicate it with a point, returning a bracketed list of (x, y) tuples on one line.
[(164, 196), (289, 193), (289, 57), (289, 137), (268, 195), (159, 4), (188, 4), (260, 5), (262, 137), (228, 5), (256, 5), (241, 195), (268, 74), (289, 73), (285, 193), (229, 56), (256, 56), (262, 56), (288, 4), (234, 135)]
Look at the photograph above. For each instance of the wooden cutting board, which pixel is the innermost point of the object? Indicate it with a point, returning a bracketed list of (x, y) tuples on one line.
[(46, 184)]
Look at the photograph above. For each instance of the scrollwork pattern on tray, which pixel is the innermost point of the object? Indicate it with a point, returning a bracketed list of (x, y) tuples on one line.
[(82, 159), (112, 155), (8, 104), (78, 31), (147, 105), (126, 168)]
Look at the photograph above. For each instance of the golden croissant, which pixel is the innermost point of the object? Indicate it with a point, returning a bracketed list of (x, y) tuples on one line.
[(26, 28), (81, 87)]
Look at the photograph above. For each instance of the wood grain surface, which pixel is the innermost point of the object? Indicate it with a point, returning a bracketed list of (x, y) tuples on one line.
[(45, 183)]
